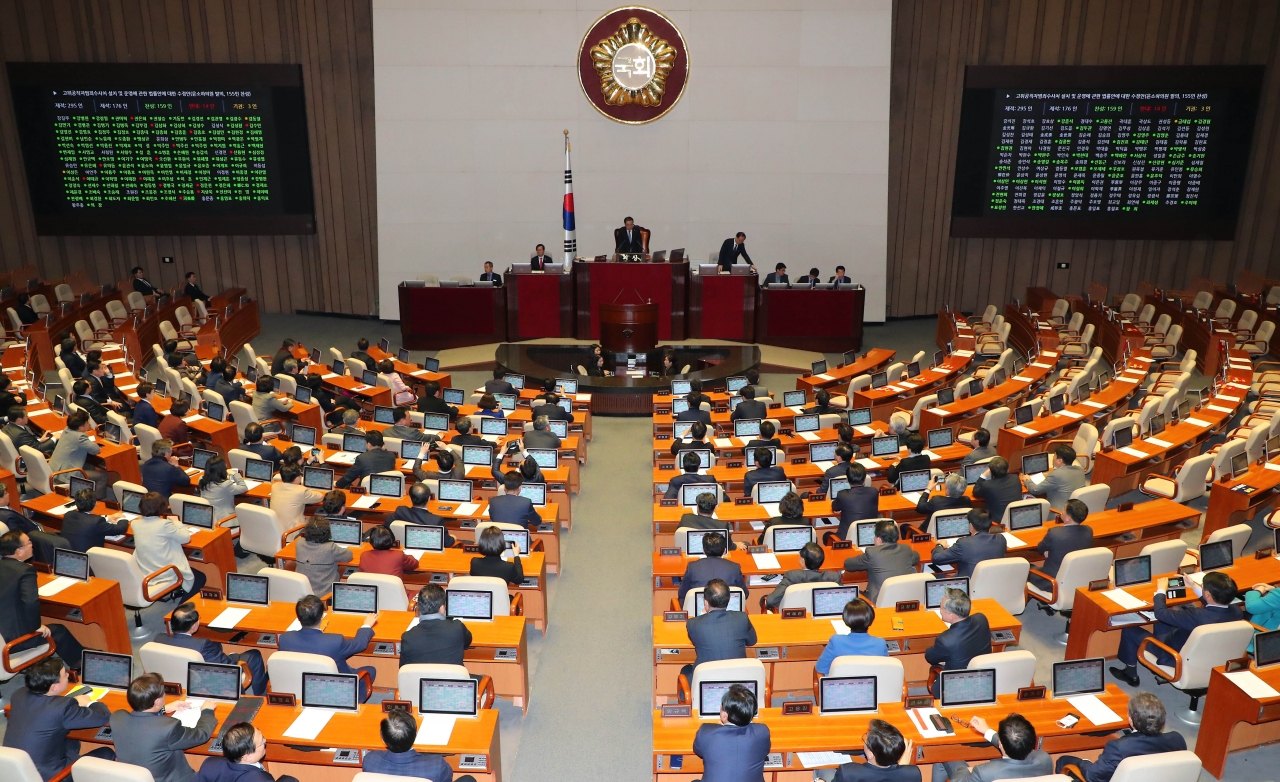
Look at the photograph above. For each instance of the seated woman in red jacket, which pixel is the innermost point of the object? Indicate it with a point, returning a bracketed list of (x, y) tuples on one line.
[(385, 559)]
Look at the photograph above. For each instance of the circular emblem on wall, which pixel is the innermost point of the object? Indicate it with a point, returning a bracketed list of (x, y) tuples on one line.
[(633, 65)]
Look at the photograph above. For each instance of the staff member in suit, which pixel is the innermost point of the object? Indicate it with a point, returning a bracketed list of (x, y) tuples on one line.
[(72, 360), (701, 572), (997, 487), (856, 503), (731, 248), (192, 290), (984, 449), (1146, 717), (227, 387), (84, 529), (430, 401), (736, 749), (691, 462), (1062, 480), (243, 750), (10, 397), (146, 736), (822, 404), (952, 497), (312, 640), (1058, 542), (790, 513), (967, 637), (416, 512), (40, 718), (84, 400), (161, 473), (510, 507), (811, 279), (447, 466), (19, 431), (888, 754), (1173, 626), (74, 447), (749, 407), (551, 409), (858, 617), (540, 259), (766, 438), (778, 275), (979, 545), (628, 238), (361, 353), (839, 277), (499, 385), (697, 440), (705, 508), (541, 436), (184, 623), (143, 286), (145, 412), (764, 472), (436, 639), (885, 559), (26, 313), (841, 468), (400, 759), (21, 601), (490, 275), (376, 459), (718, 633), (492, 545), (916, 460), (1016, 740)]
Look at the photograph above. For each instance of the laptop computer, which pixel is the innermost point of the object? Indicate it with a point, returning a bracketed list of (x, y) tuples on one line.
[(968, 687), (104, 669), (448, 696), (384, 415), (354, 443), (936, 590), (248, 588), (1078, 677), (197, 514), (317, 478), (455, 491), (830, 601), (793, 399)]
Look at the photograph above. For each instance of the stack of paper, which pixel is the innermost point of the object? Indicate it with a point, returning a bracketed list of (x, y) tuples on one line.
[(819, 759), (1013, 540), (767, 561), (466, 509), (61, 510), (810, 436), (189, 717), (367, 501), (1253, 686), (1124, 599), (866, 431), (840, 627), (1094, 710), (228, 618), (309, 724), (1134, 452), (57, 585), (723, 442)]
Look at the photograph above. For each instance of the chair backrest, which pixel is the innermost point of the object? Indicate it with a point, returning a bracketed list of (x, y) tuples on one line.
[(828, 420), (136, 301), (932, 529), (1084, 443), (120, 567), (908, 587), (1145, 315), (1265, 332), (1131, 302), (994, 421), (1014, 670), (243, 415), (889, 673), (168, 660), (1248, 319), (286, 586), (178, 501), (1209, 646), (183, 316), (1001, 580), (167, 330), (210, 396), (355, 367), (409, 676), (1077, 320), (1094, 496), (859, 383), (62, 292), (1181, 766), (1149, 408), (1202, 300), (1162, 324), (260, 529), (772, 531), (288, 384), (285, 670), (236, 457), (493, 584), (1192, 479), (1043, 503), (1108, 432), (91, 769), (724, 671), (1256, 443), (801, 595), (1166, 555), (693, 599), (147, 435), (38, 472), (16, 765), (895, 371), (1174, 336), (1077, 570), (1237, 534), (1060, 308), (120, 487), (9, 455), (755, 490), (391, 594), (116, 309)]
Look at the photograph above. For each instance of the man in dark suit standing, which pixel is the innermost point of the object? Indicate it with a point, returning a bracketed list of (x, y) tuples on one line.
[(312, 640), (540, 259), (778, 275), (21, 600), (628, 238), (966, 638), (856, 503), (40, 718), (436, 638), (184, 623), (812, 556), (691, 462), (730, 249), (886, 751), (146, 736), (736, 749), (764, 472), (979, 545), (915, 460), (511, 508), (490, 275), (499, 384), (84, 529), (749, 407), (839, 277), (701, 572), (998, 487), (1146, 717), (1058, 542), (1173, 626)]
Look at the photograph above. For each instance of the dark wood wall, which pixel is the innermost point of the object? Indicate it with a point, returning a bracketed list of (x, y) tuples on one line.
[(333, 270), (933, 41)]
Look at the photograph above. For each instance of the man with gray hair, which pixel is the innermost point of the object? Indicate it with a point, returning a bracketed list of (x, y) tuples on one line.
[(898, 423), (1146, 716), (161, 472), (967, 637), (350, 417), (885, 559), (541, 435), (952, 497)]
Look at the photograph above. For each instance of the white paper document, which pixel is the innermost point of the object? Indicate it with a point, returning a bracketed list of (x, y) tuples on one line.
[(1135, 452), (1024, 430), (810, 436), (1218, 409), (866, 431), (366, 501), (435, 730), (1124, 599), (962, 353), (825, 376), (1071, 414), (1159, 443), (1022, 378), (840, 627), (1198, 422), (309, 724), (296, 625), (1042, 366), (723, 442), (61, 510), (189, 717), (771, 508), (466, 509), (1271, 466), (1013, 540), (920, 718), (767, 561), (229, 618), (819, 759), (57, 585), (1252, 685), (1093, 404), (870, 464), (191, 419), (1094, 710)]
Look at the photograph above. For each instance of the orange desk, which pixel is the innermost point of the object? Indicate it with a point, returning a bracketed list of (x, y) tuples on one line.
[(93, 611), (970, 410), (906, 392), (1234, 720), (838, 379), (1228, 507)]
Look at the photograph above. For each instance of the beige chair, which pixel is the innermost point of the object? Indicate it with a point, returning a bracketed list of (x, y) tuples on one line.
[(1202, 301), (898, 588), (391, 594), (286, 586), (1014, 670), (168, 660), (408, 687), (1206, 648), (12, 663), (1222, 458), (9, 457), (745, 670), (120, 487), (1078, 347), (1001, 580), (1166, 556), (137, 302), (147, 435), (243, 415), (1094, 496), (63, 293), (502, 602), (91, 769), (288, 385), (135, 585), (693, 599), (355, 367), (1181, 766), (1260, 343), (285, 669), (1168, 347), (988, 315), (1109, 431), (1059, 313), (993, 421), (1237, 534), (16, 766), (116, 312), (237, 457), (39, 476), (1077, 570), (261, 530), (1188, 481), (1130, 303), (890, 675)]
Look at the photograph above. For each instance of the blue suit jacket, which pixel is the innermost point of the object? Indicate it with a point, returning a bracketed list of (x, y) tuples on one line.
[(218, 769), (684, 478), (408, 764), (158, 475), (144, 413), (960, 643), (967, 552), (732, 753), (761, 475), (311, 640), (1173, 626), (1117, 750), (211, 651), (514, 509), (700, 572)]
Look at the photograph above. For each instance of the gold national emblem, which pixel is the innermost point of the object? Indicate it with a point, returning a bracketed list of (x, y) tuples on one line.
[(633, 65)]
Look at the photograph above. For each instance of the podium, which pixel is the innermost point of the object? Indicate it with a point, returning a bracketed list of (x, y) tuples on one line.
[(628, 328), (603, 282), (826, 320), (539, 304), (722, 306)]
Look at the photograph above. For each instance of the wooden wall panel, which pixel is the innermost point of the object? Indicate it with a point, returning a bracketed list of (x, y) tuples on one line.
[(333, 270), (933, 41)]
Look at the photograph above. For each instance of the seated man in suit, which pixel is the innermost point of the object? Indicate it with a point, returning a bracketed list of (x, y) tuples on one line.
[(856, 503), (253, 434), (436, 639), (997, 487), (146, 736), (915, 460), (691, 462), (839, 277), (889, 757), (551, 409), (350, 423), (80, 392), (72, 360), (361, 353), (282, 355), (228, 388), (983, 450), (1173, 626), (312, 640), (84, 529), (705, 508), (766, 438), (416, 512), (952, 497), (731, 248), (979, 545), (749, 407), (538, 262), (718, 633), (430, 401), (778, 275), (511, 508), (695, 411), (840, 469), (885, 559), (1058, 542), (812, 556), (541, 436), (753, 380), (192, 290), (40, 718), (490, 275), (498, 385), (161, 472), (143, 286), (967, 636), (400, 758), (20, 433), (736, 749), (764, 471), (26, 313), (700, 572), (811, 279), (1065, 477), (402, 429), (375, 459), (858, 616), (697, 439), (102, 385), (243, 750), (184, 623), (629, 238), (1146, 717), (21, 601), (145, 412), (1016, 740), (822, 404)]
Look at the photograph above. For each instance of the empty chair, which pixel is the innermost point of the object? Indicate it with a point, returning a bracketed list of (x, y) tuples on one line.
[(1261, 341), (117, 312), (39, 476), (243, 415), (988, 315), (994, 343), (1077, 570), (285, 669), (135, 586), (261, 530), (1130, 304), (895, 371), (91, 769), (1202, 301), (1109, 431), (993, 421), (503, 605), (1002, 580), (355, 367), (1182, 766), (63, 293), (1206, 648), (136, 301), (896, 588), (1169, 345), (168, 660), (1188, 481), (391, 594), (1094, 497), (1166, 556), (1014, 670), (1237, 534), (1081, 346), (1059, 313), (286, 586), (170, 333)]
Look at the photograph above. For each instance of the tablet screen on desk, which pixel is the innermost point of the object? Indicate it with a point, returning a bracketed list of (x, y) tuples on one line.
[(1214, 556), (751, 454), (746, 427), (734, 401), (103, 669), (199, 458), (344, 532), (836, 486), (951, 526), (355, 598), (734, 384), (1035, 463), (681, 429), (354, 443), (317, 478), (431, 365), (830, 601), (369, 377), (516, 381), (78, 484), (1057, 402), (806, 423), (880, 380), (711, 693), (302, 435), (1078, 677), (860, 416), (941, 438), (196, 514), (793, 398), (946, 396), (129, 501), (330, 691), (972, 686), (1026, 517), (111, 432), (213, 680), (468, 604), (454, 396), (424, 537), (822, 452), (435, 422), (536, 492), (972, 472), (246, 588), (693, 540), (477, 455), (915, 480), (493, 426), (257, 469), (885, 446), (384, 415), (1023, 415), (1266, 648), (936, 590), (772, 491), (566, 386), (679, 406), (1133, 570), (791, 538), (70, 564), (680, 387), (559, 428), (215, 412), (386, 485), (866, 531), (844, 694), (447, 696), (455, 491), (546, 458)]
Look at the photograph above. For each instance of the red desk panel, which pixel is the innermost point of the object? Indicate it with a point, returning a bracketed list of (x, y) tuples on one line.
[(723, 306), (432, 318), (539, 305), (828, 320), (631, 283)]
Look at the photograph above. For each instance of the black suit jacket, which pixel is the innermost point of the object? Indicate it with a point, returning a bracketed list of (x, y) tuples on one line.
[(497, 567), (1174, 625), (931, 505), (492, 276), (538, 264), (20, 599), (1129, 746), (965, 553), (21, 435), (750, 408), (91, 406), (773, 277), (192, 291), (38, 724), (998, 493), (694, 521), (434, 404), (865, 772), (1058, 542), (960, 643), (673, 488), (552, 412), (761, 475), (917, 461), (855, 503), (367, 463), (74, 364), (729, 253), (700, 572), (87, 530), (514, 509), (721, 635), (436, 641), (622, 244), (695, 414)]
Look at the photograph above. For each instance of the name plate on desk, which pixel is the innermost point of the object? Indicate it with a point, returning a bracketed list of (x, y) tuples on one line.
[(1031, 693), (922, 537), (170, 688), (663, 411), (742, 501), (388, 705), (211, 593), (919, 702), (1238, 664), (736, 466), (670, 552), (797, 707), (470, 548), (795, 613), (666, 467), (663, 437), (906, 606), (799, 460), (1124, 507), (1263, 553), (1099, 585), (667, 503), (675, 616), (677, 710), (841, 545), (757, 549), (281, 699), (817, 496)]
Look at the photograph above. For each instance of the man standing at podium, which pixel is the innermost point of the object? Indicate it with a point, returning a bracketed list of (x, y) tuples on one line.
[(628, 239), (540, 259), (731, 249)]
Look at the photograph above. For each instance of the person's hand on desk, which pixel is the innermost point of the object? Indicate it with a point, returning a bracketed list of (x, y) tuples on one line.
[(980, 725), (178, 707), (83, 701), (1262, 589), (370, 620)]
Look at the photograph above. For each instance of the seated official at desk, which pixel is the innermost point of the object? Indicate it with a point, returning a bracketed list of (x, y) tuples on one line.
[(184, 623), (144, 412), (749, 407), (146, 736), (736, 749), (983, 449), (447, 466), (18, 430), (753, 380), (464, 437), (530, 472), (777, 276), (915, 460), (629, 238), (74, 446), (192, 289), (997, 487), (766, 438), (730, 249), (812, 556), (243, 750), (967, 636), (1173, 626), (718, 633), (885, 749), (289, 498), (822, 404), (885, 559), (375, 459), (40, 716), (765, 471), (858, 617), (539, 260), (540, 436), (490, 275), (318, 557), (403, 430), (499, 384), (856, 503), (416, 512), (1016, 740), (702, 519), (492, 545), (430, 401), (1065, 477), (811, 279), (1146, 717), (265, 402), (400, 759), (695, 411), (312, 640), (691, 462), (551, 409), (227, 387), (1058, 542), (361, 353), (384, 558), (161, 473), (84, 529), (980, 545), (839, 278), (511, 508), (790, 513), (26, 313), (436, 639), (701, 572), (952, 496), (158, 542), (350, 423), (697, 440), (843, 461), (253, 434), (19, 595)]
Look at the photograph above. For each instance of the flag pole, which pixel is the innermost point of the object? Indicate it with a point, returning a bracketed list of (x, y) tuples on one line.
[(570, 228)]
